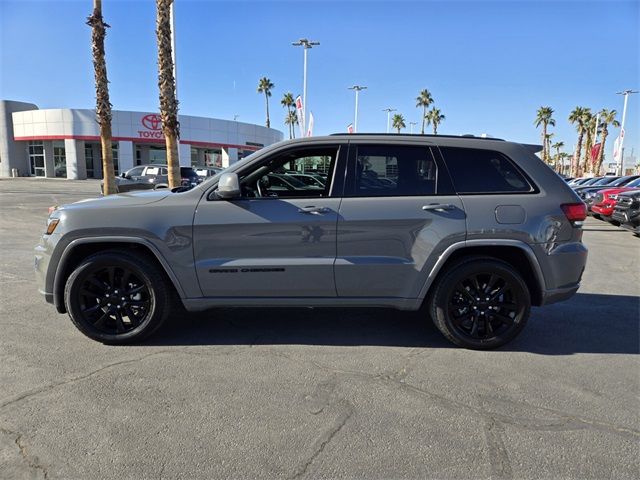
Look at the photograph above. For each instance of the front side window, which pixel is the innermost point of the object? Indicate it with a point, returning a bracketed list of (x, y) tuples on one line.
[(483, 171), (386, 171), (280, 176)]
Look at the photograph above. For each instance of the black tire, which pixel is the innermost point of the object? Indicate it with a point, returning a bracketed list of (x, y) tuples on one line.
[(459, 307), (116, 297)]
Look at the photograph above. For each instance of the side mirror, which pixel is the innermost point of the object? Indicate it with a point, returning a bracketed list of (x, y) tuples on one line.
[(123, 175), (228, 186)]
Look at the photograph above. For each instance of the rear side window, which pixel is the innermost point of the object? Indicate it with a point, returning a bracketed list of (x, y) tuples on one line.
[(483, 171), (387, 171)]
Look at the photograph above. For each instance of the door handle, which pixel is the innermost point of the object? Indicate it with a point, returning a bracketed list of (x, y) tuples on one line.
[(313, 210), (438, 207)]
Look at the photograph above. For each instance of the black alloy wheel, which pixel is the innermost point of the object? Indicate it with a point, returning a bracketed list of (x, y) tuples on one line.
[(480, 303), (116, 297)]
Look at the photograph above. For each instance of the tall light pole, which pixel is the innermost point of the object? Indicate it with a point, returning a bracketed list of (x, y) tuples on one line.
[(356, 88), (412, 124), (306, 45), (626, 94), (388, 110)]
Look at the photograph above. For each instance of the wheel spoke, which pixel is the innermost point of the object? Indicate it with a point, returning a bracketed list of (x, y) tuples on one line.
[(474, 328), (102, 320), (119, 322), (111, 274), (491, 283), (131, 315), (134, 290), (507, 320), (97, 283), (460, 288), (124, 282), (89, 293), (137, 303), (487, 326), (91, 309), (476, 284)]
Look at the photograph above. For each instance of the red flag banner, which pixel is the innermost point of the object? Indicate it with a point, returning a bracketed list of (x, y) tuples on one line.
[(595, 151)]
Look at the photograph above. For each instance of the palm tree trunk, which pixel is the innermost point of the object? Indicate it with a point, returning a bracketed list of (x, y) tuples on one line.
[(266, 98), (424, 117), (598, 166), (435, 128), (545, 140), (576, 171), (167, 86), (103, 105), (587, 151)]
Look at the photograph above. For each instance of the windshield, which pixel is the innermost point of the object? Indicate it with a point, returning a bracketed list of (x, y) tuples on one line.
[(635, 183)]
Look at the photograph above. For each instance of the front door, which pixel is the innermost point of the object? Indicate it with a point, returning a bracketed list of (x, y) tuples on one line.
[(279, 239), (397, 216)]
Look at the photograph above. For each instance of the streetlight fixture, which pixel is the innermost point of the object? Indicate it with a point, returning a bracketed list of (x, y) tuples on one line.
[(389, 110), (306, 45), (620, 162), (412, 124), (357, 89)]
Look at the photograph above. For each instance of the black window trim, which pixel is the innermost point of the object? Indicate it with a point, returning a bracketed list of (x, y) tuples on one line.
[(532, 185)]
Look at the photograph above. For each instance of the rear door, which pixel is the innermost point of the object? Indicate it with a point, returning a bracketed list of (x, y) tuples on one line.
[(398, 215)]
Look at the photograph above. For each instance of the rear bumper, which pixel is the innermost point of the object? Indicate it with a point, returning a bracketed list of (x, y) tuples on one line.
[(559, 294), (562, 267)]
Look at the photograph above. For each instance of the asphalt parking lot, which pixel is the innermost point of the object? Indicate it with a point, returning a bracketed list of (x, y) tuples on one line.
[(327, 393)]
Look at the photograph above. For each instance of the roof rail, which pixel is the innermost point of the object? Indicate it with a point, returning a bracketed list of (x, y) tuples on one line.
[(427, 135)]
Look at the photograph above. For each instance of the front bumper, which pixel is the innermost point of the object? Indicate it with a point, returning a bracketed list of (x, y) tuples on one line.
[(42, 259)]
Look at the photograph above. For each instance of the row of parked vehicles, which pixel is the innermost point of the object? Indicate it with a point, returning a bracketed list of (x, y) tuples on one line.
[(615, 199)]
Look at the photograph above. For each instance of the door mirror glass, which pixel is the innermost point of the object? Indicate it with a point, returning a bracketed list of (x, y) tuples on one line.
[(228, 186), (124, 175)]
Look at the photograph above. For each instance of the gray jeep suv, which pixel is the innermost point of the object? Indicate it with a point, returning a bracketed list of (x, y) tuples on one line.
[(473, 231)]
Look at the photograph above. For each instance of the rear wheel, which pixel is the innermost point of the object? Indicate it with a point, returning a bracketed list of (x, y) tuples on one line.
[(480, 303), (115, 297)]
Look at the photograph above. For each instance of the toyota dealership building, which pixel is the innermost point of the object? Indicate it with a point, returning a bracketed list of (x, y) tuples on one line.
[(65, 143)]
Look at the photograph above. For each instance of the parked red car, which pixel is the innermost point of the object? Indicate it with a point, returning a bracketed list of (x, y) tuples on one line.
[(605, 200)]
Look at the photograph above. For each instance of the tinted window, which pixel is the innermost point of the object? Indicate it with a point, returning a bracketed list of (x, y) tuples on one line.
[(384, 171), (483, 171), (187, 172)]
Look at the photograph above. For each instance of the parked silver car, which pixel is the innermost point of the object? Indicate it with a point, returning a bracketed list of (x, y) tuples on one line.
[(472, 230)]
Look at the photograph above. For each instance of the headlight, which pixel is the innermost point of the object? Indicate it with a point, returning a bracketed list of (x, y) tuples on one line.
[(52, 223), (613, 197)]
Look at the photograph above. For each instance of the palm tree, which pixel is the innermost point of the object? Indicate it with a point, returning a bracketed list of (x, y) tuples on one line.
[(398, 122), (103, 105), (167, 87), (544, 118), (424, 100), (577, 117), (589, 123), (265, 86), (292, 120), (435, 118), (607, 117), (557, 146), (288, 102)]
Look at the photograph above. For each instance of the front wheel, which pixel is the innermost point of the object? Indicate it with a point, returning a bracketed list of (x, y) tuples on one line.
[(480, 303), (116, 298)]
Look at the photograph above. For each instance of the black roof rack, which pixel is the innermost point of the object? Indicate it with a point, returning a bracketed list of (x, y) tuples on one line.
[(428, 135)]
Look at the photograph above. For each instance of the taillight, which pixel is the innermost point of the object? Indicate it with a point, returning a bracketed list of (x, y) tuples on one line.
[(575, 212)]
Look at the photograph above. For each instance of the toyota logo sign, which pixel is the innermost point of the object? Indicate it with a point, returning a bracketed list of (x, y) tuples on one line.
[(153, 124), (152, 121)]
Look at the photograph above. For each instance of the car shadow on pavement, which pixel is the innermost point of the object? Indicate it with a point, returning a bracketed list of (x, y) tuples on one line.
[(588, 323)]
